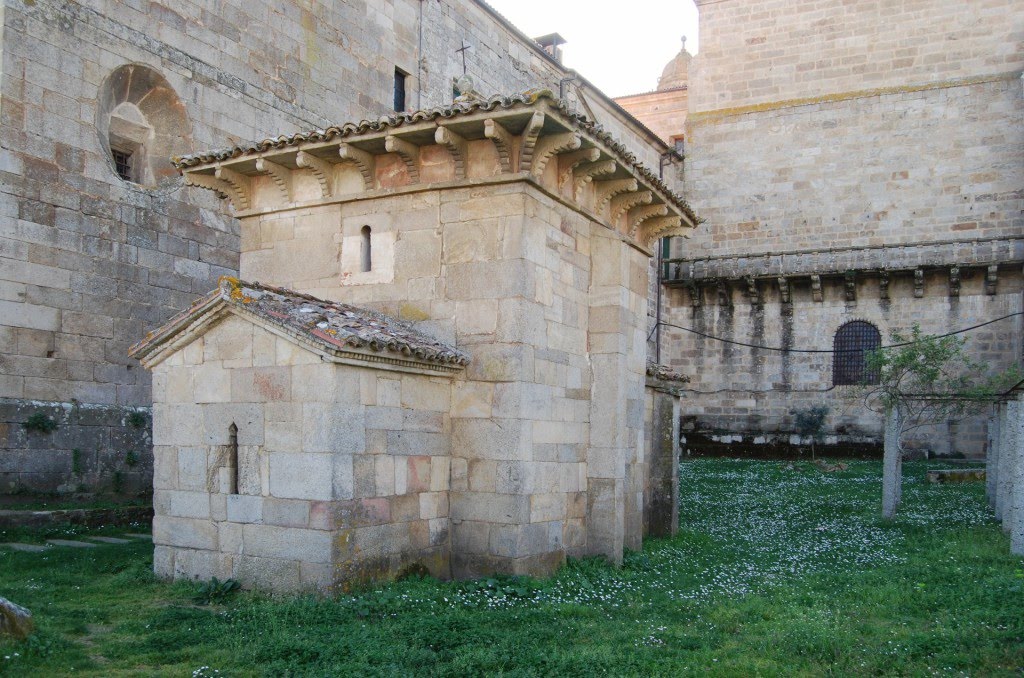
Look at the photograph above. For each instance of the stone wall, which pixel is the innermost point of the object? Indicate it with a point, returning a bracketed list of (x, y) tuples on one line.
[(89, 261), (754, 53), (847, 147), (751, 393), (91, 449), (342, 471), (942, 164), (503, 272)]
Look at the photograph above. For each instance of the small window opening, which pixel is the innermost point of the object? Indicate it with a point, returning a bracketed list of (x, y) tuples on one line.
[(366, 260), (849, 360), (122, 163), (679, 145), (400, 78), (233, 459)]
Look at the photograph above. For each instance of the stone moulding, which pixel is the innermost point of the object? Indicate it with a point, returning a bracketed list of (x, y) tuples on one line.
[(335, 331), (529, 133)]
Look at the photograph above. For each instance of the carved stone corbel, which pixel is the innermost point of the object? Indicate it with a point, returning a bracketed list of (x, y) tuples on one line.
[(954, 281), (502, 141), (281, 175), (918, 283), (528, 141), (363, 160), (409, 153), (220, 187), (550, 146), (570, 161), (696, 297), (816, 293), (241, 186), (991, 279), (883, 286), (753, 294), (785, 293), (639, 215), (623, 203), (456, 145), (321, 169), (850, 286), (606, 190), (724, 293), (585, 173), (659, 227)]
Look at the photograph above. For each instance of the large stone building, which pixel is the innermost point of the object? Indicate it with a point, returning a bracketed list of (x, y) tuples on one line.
[(100, 238), (860, 166), (510, 421)]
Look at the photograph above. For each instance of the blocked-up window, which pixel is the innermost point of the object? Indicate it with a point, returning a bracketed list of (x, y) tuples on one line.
[(850, 347)]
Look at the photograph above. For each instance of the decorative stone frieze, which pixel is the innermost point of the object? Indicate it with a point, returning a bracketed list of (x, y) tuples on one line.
[(532, 135)]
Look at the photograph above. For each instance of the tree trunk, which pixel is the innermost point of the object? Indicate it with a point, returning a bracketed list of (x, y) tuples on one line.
[(892, 465)]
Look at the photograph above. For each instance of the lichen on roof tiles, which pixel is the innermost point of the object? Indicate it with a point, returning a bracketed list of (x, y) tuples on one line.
[(333, 325)]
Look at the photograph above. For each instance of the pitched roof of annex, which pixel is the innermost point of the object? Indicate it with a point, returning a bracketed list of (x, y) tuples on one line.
[(329, 327)]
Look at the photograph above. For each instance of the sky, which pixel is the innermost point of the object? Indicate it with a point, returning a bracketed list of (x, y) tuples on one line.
[(621, 47)]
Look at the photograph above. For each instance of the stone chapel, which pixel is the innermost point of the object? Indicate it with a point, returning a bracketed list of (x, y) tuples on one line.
[(467, 393)]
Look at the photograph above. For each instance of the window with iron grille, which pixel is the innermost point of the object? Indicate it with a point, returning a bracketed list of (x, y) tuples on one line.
[(852, 342), (400, 77), (122, 164)]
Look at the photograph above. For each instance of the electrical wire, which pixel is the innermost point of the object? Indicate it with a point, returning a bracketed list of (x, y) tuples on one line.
[(823, 350)]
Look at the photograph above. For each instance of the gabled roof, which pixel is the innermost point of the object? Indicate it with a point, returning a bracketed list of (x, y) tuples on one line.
[(330, 328)]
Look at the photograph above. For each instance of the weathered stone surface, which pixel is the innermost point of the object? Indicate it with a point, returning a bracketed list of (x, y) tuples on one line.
[(15, 620)]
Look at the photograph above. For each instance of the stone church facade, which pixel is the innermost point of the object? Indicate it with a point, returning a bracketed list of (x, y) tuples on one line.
[(100, 239), (860, 167)]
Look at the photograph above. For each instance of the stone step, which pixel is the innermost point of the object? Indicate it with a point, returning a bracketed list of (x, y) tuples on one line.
[(28, 548), (72, 543), (140, 536), (956, 475), (110, 540)]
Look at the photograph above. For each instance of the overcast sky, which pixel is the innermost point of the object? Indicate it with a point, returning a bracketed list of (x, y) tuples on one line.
[(621, 47)]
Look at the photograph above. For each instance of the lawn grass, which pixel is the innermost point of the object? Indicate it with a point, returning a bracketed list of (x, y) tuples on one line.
[(779, 570)]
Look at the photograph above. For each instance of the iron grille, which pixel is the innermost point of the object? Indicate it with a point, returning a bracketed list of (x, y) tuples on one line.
[(122, 164), (853, 340)]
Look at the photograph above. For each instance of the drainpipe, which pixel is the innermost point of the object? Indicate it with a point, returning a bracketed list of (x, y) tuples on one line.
[(671, 157), (419, 61)]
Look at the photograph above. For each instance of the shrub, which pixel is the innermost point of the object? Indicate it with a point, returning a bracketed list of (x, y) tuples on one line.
[(216, 591)]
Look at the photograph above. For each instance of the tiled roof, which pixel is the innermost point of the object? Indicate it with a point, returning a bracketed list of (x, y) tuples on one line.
[(397, 120), (335, 326)]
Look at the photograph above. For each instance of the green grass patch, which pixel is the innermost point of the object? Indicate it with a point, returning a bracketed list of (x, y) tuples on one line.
[(779, 569)]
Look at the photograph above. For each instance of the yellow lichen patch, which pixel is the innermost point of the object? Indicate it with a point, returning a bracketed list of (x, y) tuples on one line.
[(235, 284), (412, 312)]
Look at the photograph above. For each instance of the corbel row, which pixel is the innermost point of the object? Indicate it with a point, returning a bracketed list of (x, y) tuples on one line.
[(752, 290), (630, 206)]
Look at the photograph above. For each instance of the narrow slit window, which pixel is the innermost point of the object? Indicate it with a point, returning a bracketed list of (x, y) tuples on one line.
[(365, 257), (233, 459), (400, 79)]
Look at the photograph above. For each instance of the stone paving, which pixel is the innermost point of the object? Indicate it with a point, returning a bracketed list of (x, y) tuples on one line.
[(74, 543)]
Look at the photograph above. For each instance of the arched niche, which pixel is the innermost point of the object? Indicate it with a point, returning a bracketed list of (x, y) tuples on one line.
[(141, 123)]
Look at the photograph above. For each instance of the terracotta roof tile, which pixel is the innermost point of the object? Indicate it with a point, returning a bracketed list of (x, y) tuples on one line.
[(334, 325), (391, 121)]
